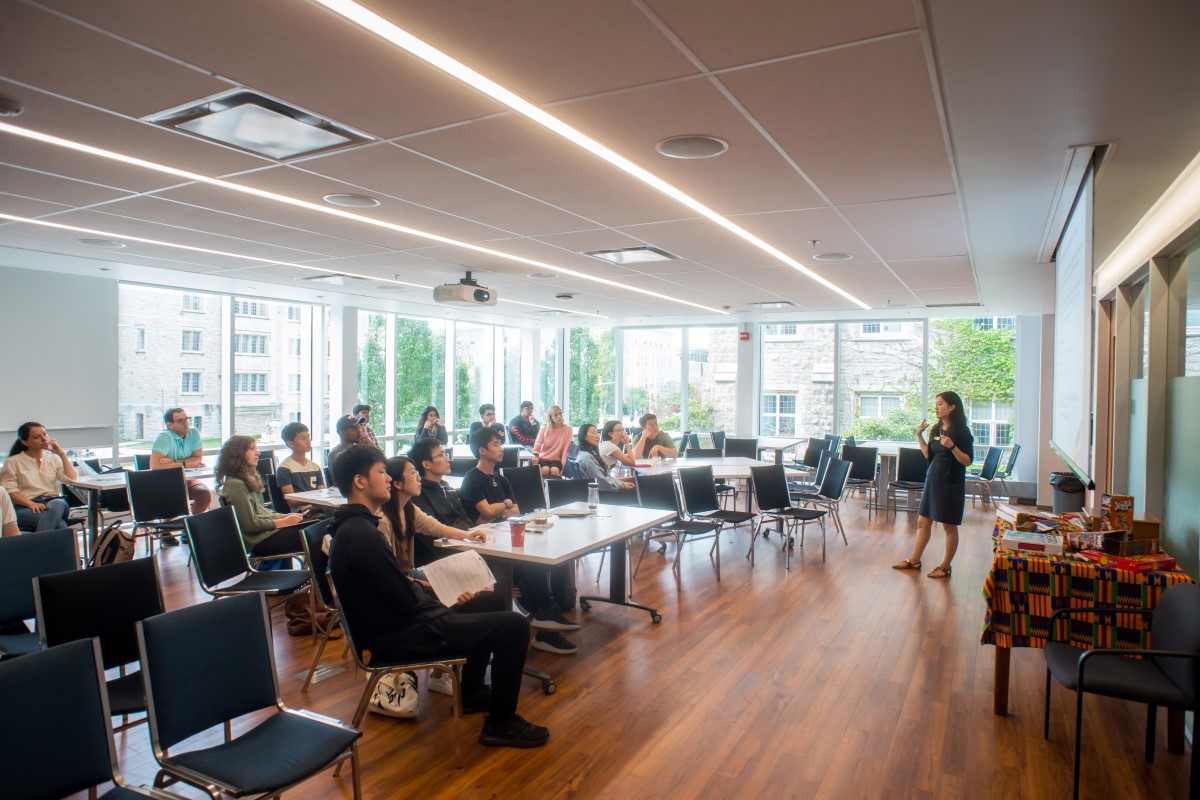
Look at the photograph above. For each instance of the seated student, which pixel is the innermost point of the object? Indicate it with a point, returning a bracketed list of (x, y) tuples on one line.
[(8, 516), (179, 446), (487, 419), (437, 499), (395, 620), (523, 428), (612, 439), (351, 433), (298, 473), (592, 466), (489, 495), (363, 412), (652, 442), (430, 426), (264, 532), (406, 526), (553, 443), (31, 476)]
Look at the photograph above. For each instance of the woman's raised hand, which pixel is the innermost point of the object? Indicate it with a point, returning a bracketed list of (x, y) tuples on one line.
[(921, 428)]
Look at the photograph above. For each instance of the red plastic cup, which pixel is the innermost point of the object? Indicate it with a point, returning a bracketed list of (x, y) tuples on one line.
[(517, 529)]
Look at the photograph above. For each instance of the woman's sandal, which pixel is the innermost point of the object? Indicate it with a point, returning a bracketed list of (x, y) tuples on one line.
[(906, 564), (939, 572)]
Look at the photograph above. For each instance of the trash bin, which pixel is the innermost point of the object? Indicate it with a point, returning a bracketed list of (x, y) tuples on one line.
[(1068, 492)]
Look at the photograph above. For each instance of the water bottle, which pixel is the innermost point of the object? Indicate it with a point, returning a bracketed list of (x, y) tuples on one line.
[(593, 495)]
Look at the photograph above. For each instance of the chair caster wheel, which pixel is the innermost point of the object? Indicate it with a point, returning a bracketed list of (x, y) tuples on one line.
[(585, 605), (662, 548), (550, 688), (656, 618)]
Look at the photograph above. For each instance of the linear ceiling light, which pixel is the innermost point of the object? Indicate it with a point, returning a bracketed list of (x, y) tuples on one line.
[(349, 10), (333, 212), (325, 273)]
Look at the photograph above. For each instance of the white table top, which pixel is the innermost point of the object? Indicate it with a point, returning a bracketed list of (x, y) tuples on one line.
[(115, 480), (727, 468), (330, 497), (570, 537), (779, 442)]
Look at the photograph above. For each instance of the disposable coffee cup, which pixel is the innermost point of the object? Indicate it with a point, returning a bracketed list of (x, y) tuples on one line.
[(517, 529)]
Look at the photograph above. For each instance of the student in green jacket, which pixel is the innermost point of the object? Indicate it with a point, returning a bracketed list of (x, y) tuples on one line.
[(264, 532)]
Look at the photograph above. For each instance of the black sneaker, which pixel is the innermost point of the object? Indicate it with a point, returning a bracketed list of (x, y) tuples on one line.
[(479, 702), (553, 642), (516, 732), (168, 541), (551, 619)]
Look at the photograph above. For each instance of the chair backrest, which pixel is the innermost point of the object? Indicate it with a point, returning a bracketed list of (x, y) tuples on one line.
[(850, 442), (570, 468), (862, 461), (529, 492), (461, 466), (991, 463), (699, 489), (658, 492), (741, 448), (318, 563), (348, 623), (718, 439), (566, 490), (105, 602), (813, 450), (823, 459), (911, 465), (770, 487), (833, 484), (831, 442), (141, 461), (703, 452), (512, 456), (687, 441), (328, 476), (279, 502), (23, 558), (1176, 626), (266, 464), (206, 664), (1012, 460), (55, 715), (217, 547), (157, 494)]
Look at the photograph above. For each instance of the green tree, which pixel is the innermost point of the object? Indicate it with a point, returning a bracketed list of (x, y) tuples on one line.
[(978, 364), (591, 374), (464, 380), (420, 371), (372, 368)]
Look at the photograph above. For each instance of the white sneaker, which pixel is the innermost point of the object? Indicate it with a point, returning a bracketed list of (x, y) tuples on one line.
[(440, 682)]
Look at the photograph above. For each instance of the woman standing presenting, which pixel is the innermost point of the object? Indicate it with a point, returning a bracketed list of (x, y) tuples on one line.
[(950, 449)]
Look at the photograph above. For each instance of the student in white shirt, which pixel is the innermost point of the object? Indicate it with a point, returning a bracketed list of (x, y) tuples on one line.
[(8, 516), (612, 439), (31, 476)]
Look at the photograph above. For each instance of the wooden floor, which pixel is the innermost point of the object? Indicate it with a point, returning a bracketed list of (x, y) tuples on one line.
[(842, 679)]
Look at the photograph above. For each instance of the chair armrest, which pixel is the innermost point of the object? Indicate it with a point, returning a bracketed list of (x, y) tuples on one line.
[(1112, 651)]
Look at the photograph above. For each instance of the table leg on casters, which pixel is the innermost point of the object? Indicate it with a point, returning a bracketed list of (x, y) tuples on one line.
[(1000, 692), (617, 585)]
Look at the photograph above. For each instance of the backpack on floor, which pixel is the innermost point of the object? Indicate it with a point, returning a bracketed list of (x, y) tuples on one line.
[(113, 545)]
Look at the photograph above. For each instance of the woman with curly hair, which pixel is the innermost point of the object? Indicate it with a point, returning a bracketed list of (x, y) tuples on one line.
[(264, 532), (430, 426)]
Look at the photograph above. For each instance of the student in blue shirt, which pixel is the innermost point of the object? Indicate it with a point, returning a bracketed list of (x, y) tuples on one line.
[(179, 446)]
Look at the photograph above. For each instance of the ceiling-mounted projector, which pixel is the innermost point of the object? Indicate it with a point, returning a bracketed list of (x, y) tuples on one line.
[(466, 292)]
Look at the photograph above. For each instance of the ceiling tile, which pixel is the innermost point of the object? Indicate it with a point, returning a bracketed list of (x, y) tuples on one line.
[(936, 273), (53, 188), (924, 227)]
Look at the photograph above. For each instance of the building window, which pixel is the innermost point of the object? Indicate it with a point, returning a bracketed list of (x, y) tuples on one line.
[(877, 406), (140, 337), (869, 328), (250, 383), (191, 302), (191, 342), (293, 313), (994, 323), (198, 422), (253, 344), (294, 382), (249, 308), (778, 414), (294, 346), (991, 424), (786, 329), (190, 383)]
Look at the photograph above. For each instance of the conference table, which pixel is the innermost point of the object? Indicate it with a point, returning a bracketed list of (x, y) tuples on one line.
[(731, 468), (94, 484)]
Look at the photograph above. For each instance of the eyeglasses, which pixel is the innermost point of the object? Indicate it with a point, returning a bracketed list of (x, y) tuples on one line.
[(178, 420), (442, 454)]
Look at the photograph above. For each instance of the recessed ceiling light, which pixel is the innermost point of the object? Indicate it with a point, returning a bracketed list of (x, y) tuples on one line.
[(632, 255), (765, 305), (551, 312), (337, 279), (542, 276), (833, 257), (107, 244), (351, 200), (692, 147), (250, 121)]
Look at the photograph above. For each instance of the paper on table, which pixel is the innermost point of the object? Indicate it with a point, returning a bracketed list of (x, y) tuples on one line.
[(459, 573)]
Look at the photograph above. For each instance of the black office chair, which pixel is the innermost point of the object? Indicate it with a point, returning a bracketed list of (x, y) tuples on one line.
[(106, 603), (831, 443), (222, 653), (158, 502), (1009, 468), (812, 453), (322, 599), (718, 439), (1166, 675), (566, 490), (529, 490), (279, 502), (982, 481), (659, 492), (910, 476), (461, 466), (512, 457), (56, 727), (220, 556), (23, 558), (775, 505), (829, 496), (141, 461), (863, 471), (376, 668), (702, 452), (806, 487), (741, 448), (328, 476), (701, 504)]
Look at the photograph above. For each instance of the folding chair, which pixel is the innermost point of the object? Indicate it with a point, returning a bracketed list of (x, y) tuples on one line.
[(863, 471), (775, 505), (829, 496), (910, 476), (529, 489), (567, 490), (701, 504), (216, 542), (321, 597), (158, 502), (982, 480), (659, 492), (23, 558)]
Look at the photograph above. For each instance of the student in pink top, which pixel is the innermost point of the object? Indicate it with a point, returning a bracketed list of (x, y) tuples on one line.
[(553, 441)]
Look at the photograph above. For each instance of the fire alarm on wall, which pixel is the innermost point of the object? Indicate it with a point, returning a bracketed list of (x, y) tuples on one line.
[(743, 336)]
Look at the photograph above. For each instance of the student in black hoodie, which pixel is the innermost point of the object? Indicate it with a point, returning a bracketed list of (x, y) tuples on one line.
[(395, 620)]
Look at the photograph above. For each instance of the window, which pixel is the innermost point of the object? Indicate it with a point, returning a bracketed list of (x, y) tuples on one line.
[(294, 313), (250, 382), (548, 393), (249, 308), (191, 302), (294, 382), (253, 344), (991, 424), (591, 375), (778, 414), (994, 323), (880, 379), (799, 367), (293, 345), (190, 383), (191, 342), (474, 365), (652, 368), (877, 405), (140, 337), (420, 357), (786, 329), (881, 327), (978, 361), (198, 422)]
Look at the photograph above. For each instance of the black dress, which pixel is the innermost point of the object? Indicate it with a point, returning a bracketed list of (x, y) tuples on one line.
[(946, 480)]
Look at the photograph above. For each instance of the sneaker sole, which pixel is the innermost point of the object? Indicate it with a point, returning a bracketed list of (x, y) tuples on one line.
[(549, 648), (503, 741), (551, 625), (446, 690)]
